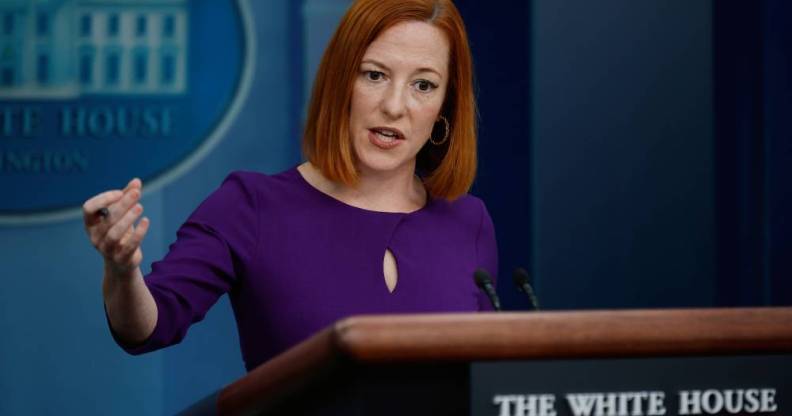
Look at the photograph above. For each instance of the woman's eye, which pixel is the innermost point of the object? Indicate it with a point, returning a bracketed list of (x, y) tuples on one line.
[(374, 75), (425, 86)]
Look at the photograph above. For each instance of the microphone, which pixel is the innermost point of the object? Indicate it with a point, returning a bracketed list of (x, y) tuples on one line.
[(484, 282), (521, 279)]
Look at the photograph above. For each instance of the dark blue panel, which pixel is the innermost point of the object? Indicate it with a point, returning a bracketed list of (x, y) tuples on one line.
[(778, 150), (622, 160), (739, 155), (753, 100), (501, 53)]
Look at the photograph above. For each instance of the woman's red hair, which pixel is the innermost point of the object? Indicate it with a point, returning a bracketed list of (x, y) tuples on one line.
[(447, 170)]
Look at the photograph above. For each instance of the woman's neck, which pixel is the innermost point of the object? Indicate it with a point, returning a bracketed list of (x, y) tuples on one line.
[(394, 191)]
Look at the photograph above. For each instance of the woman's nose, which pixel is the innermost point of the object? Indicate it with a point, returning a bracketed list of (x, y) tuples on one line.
[(393, 102)]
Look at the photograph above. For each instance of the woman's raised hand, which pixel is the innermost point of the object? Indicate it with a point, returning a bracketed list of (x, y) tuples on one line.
[(110, 223)]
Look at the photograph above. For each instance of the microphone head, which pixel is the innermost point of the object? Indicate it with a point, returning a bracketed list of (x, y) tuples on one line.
[(520, 277), (482, 278)]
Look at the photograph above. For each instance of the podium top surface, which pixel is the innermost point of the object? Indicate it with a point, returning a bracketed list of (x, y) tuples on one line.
[(493, 336), (510, 336)]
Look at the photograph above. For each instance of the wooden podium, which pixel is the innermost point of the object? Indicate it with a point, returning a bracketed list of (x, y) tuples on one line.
[(420, 364)]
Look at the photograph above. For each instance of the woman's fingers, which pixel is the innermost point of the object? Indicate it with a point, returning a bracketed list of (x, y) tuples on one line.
[(92, 206), (130, 252), (134, 183), (106, 200), (117, 211), (110, 232), (123, 226), (111, 244)]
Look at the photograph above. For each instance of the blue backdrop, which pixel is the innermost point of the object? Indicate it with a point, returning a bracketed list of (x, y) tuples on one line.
[(633, 154)]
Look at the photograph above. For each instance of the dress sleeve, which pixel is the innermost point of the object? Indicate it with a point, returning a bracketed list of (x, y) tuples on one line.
[(486, 253), (211, 251)]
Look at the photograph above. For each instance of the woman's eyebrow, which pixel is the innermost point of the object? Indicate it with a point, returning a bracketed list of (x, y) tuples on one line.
[(373, 62), (385, 67)]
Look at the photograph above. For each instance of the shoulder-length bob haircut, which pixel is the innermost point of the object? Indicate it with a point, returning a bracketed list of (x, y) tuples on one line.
[(447, 170)]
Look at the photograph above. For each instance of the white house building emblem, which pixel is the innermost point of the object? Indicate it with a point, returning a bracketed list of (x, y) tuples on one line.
[(93, 92)]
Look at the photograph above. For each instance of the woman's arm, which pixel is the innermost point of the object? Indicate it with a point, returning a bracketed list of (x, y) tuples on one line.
[(110, 223), (219, 238), (130, 307)]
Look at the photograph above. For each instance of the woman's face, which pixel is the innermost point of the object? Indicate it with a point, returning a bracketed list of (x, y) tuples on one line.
[(397, 96)]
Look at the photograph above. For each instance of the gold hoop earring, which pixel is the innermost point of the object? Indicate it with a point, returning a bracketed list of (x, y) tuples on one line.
[(447, 131)]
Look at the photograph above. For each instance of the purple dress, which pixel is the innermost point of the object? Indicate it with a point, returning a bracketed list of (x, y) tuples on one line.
[(293, 260)]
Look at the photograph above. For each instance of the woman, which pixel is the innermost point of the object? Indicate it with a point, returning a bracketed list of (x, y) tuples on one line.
[(375, 221)]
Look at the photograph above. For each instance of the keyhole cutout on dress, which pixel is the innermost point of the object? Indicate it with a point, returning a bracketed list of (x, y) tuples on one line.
[(389, 270)]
